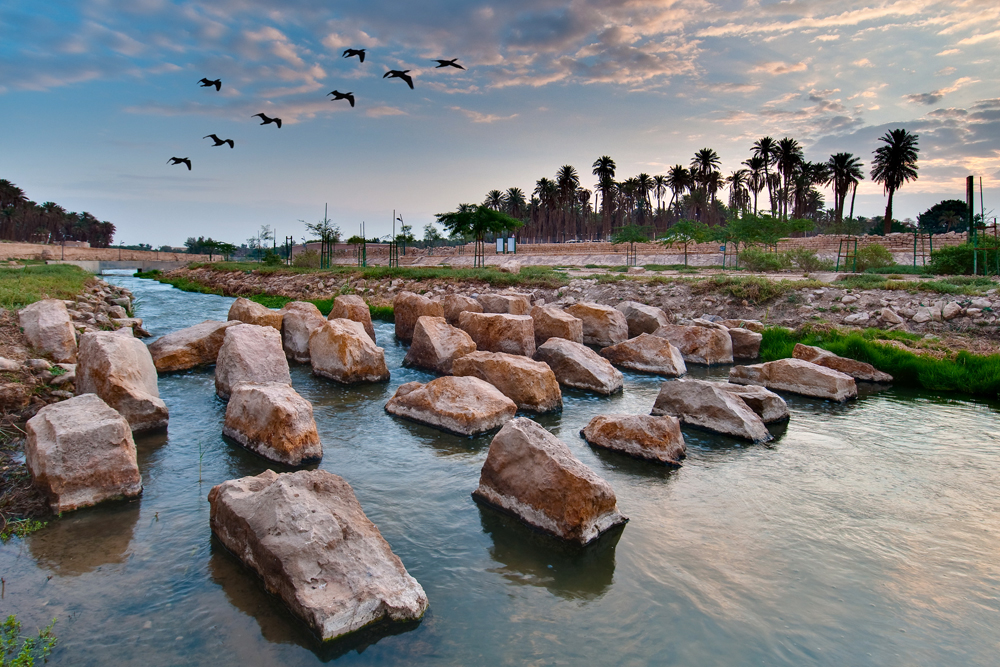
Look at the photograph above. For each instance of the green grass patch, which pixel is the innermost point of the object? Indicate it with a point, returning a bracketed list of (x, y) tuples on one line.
[(900, 269), (384, 313), (270, 300), (603, 278), (20, 287), (670, 267), (20, 528), (755, 289), (970, 285), (618, 269)]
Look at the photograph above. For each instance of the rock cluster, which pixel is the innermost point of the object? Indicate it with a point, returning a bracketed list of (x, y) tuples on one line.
[(708, 406), (858, 370), (797, 377), (299, 319), (353, 307), (530, 384), (408, 308)]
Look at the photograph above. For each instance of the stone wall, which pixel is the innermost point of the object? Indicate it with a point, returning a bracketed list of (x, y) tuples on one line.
[(43, 251)]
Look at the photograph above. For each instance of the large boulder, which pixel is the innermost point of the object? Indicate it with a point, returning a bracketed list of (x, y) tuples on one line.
[(456, 304), (746, 343), (708, 406), (272, 420), (647, 353), (500, 332), (576, 365), (463, 405), (47, 328), (250, 353), (642, 436), (530, 384), (551, 322), (251, 312), (407, 308), (353, 307), (190, 347), (533, 475), (858, 370), (602, 325), (514, 304), (341, 350), (120, 370), (642, 318), (307, 537), (699, 344), (769, 406), (798, 377), (298, 321), (436, 344), (80, 452)]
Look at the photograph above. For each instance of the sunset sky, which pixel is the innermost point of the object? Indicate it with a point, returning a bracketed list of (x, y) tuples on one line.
[(96, 95)]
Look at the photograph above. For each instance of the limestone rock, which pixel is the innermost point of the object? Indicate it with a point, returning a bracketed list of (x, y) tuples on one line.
[(298, 321), (251, 312), (858, 370), (856, 318), (889, 317), (456, 304), (576, 365), (922, 315), (250, 353), (514, 304), (308, 538), (951, 310), (530, 384), (463, 405), (132, 326), (48, 329), (647, 353), (408, 308), (798, 377), (272, 420), (120, 371), (707, 406), (533, 475), (602, 325), (769, 406), (436, 345), (746, 343), (353, 307), (80, 452), (190, 347), (752, 325), (509, 266), (341, 350), (700, 344), (8, 364), (642, 318), (551, 322), (500, 332), (642, 436)]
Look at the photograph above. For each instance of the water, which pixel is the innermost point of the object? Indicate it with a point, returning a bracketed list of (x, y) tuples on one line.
[(867, 533)]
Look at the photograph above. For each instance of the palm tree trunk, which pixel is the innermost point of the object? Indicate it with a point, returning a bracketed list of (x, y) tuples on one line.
[(887, 223), (854, 193)]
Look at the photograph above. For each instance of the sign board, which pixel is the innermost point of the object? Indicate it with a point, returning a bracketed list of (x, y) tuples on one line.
[(722, 248), (511, 247), (499, 246)]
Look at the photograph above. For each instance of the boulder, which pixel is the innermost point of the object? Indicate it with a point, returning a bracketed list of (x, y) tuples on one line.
[(746, 343), (708, 406), (272, 420), (463, 405), (120, 370), (647, 353), (642, 318), (700, 344), (299, 319), (646, 437), (551, 322), (858, 370), (530, 384), (889, 316), (798, 377), (132, 326), (190, 347), (250, 353), (436, 344), (514, 304), (769, 406), (951, 310), (341, 350), (500, 332), (407, 308), (305, 534), (353, 307), (456, 304), (48, 328), (509, 266), (602, 325), (576, 365), (251, 312), (752, 325), (80, 452), (533, 475)]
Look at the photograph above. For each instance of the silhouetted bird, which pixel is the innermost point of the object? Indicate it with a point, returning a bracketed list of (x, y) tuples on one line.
[(206, 83), (448, 63), (267, 121), (337, 95), (397, 74), (180, 160), (360, 53), (220, 142)]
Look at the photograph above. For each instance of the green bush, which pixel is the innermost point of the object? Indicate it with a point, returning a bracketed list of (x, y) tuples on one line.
[(272, 258), (899, 269), (755, 259), (957, 260), (874, 256), (807, 260), (308, 259)]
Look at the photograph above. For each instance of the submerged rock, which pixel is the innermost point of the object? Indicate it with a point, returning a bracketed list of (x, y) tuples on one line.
[(308, 538), (649, 354), (251, 312), (602, 325), (700, 344), (500, 332), (708, 406), (190, 347), (407, 308), (456, 304), (353, 307), (272, 420), (578, 366), (341, 350), (798, 377), (48, 328), (250, 353), (530, 384), (642, 318), (858, 370), (463, 405), (436, 344), (551, 322), (642, 436), (298, 321), (769, 406)]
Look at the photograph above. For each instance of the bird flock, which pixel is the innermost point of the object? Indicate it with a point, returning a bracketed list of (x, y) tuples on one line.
[(402, 75)]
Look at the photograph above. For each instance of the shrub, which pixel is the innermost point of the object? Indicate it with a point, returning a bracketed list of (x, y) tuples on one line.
[(272, 258), (808, 261), (756, 259), (308, 259), (957, 260), (873, 256), (900, 269)]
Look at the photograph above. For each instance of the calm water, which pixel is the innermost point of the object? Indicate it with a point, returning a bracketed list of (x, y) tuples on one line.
[(866, 534)]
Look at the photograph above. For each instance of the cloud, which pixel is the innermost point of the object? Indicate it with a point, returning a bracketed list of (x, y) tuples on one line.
[(979, 39), (477, 117), (380, 111), (864, 62), (937, 95), (778, 67)]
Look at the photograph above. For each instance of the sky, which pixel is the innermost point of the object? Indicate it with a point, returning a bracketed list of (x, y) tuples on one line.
[(97, 95)]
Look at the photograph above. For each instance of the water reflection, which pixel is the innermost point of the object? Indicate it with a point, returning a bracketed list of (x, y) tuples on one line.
[(86, 539)]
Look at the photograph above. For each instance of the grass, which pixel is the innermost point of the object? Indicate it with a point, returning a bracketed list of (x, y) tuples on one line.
[(970, 285), (670, 267), (899, 269), (19, 651), (20, 287), (20, 528), (755, 289)]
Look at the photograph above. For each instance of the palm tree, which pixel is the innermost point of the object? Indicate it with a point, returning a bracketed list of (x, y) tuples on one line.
[(644, 184), (845, 171), (548, 195), (764, 148), (604, 169), (678, 180), (739, 192), (788, 155), (660, 188), (704, 163), (514, 202), (494, 200), (895, 163), (567, 183), (756, 177)]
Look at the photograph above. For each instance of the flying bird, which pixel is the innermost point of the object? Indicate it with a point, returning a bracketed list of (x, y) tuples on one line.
[(397, 74), (337, 95), (267, 121), (208, 83), (220, 142), (180, 160), (448, 63), (360, 53)]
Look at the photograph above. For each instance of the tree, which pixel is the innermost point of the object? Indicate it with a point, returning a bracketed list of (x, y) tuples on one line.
[(431, 234), (328, 234), (630, 234), (895, 163), (945, 216), (686, 232), (494, 200), (788, 158), (678, 180), (477, 222), (756, 177), (765, 148), (604, 169), (846, 171), (739, 192), (704, 165)]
